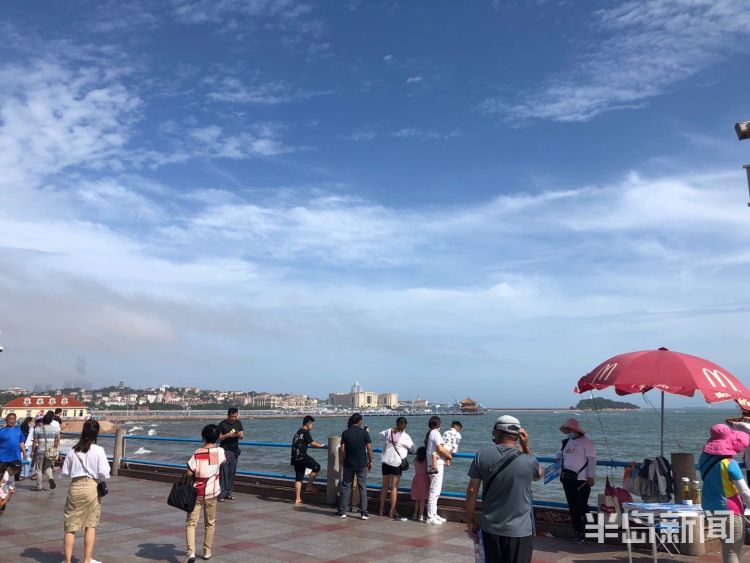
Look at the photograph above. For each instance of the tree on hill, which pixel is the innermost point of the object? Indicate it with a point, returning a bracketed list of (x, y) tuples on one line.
[(602, 404)]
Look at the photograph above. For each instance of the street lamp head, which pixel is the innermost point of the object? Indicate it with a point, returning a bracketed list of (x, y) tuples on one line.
[(742, 129)]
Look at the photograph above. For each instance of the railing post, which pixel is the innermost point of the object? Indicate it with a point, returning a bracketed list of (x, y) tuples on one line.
[(119, 451), (332, 471)]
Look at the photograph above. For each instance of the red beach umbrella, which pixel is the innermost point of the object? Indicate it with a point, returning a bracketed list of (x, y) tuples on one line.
[(667, 371)]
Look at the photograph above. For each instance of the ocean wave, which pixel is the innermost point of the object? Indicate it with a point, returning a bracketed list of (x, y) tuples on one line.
[(135, 428), (151, 432)]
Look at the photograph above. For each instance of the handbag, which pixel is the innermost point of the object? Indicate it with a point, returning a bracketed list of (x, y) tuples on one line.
[(183, 494), (50, 452), (568, 474), (610, 503), (404, 462), (101, 487)]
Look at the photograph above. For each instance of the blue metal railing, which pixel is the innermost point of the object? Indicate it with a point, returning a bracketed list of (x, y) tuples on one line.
[(269, 474), (448, 494)]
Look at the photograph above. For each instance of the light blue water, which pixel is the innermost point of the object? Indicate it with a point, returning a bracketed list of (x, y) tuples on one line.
[(623, 436)]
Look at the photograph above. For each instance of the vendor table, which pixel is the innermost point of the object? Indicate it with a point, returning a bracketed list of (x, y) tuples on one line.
[(663, 520)]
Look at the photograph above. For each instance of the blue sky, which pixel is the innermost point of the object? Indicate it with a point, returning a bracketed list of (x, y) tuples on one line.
[(436, 198)]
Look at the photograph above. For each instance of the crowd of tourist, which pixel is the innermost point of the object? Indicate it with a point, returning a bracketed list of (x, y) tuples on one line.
[(503, 471)]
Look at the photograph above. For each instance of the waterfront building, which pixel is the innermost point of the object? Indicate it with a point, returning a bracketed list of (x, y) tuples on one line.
[(468, 405), (357, 398), (71, 407)]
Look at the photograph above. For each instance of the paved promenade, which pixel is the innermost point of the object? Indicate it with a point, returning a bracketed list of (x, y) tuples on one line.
[(137, 525)]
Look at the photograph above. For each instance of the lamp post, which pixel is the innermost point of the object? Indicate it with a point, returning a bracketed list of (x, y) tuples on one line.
[(743, 132)]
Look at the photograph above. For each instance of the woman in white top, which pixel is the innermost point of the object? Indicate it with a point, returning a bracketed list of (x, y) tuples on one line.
[(397, 445), (86, 464), (45, 450), (577, 458)]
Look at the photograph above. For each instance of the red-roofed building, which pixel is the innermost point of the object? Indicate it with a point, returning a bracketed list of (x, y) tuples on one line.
[(71, 407)]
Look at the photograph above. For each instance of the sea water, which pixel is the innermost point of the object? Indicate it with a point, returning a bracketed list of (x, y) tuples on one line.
[(619, 435)]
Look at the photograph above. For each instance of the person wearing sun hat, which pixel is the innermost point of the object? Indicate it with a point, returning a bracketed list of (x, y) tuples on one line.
[(577, 458), (724, 489)]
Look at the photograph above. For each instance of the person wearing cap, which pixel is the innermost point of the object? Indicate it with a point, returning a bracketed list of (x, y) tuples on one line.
[(577, 458), (724, 490), (505, 473)]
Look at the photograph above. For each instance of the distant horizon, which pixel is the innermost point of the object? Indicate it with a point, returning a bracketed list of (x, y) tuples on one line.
[(696, 402)]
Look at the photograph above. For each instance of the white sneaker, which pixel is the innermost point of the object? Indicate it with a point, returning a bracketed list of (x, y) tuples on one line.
[(441, 518), (434, 521)]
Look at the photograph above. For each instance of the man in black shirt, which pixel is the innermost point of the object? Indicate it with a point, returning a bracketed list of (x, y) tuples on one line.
[(356, 457), (230, 435), (301, 460)]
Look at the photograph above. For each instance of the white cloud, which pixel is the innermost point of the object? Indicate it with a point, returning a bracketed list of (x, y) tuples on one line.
[(213, 11), (388, 58), (225, 269), (233, 90), (412, 133), (640, 49), (53, 117), (414, 79), (362, 134), (215, 143)]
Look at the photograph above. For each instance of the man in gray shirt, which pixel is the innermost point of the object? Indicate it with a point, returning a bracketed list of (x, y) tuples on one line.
[(506, 475)]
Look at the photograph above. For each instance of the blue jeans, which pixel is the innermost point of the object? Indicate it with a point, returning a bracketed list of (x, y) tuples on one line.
[(346, 488)]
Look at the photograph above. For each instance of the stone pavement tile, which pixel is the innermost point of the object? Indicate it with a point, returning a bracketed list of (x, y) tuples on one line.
[(277, 553), (379, 553), (414, 555), (243, 545), (138, 526)]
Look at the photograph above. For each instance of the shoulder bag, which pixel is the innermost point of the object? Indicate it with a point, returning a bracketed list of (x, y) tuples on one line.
[(569, 474), (50, 452), (708, 465), (510, 459), (404, 462), (101, 486), (183, 494)]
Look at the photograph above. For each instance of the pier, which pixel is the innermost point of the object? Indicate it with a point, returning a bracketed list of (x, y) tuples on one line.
[(138, 526)]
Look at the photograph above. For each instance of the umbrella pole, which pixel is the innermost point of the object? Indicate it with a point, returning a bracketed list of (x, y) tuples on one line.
[(661, 431)]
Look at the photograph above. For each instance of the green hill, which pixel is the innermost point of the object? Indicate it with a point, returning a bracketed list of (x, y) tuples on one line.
[(603, 404)]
